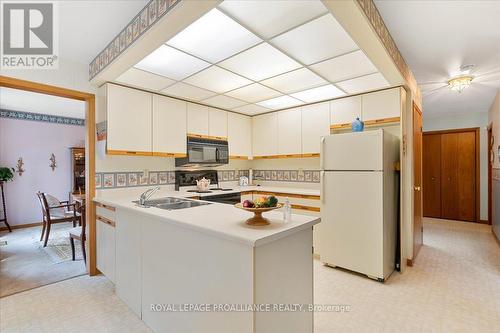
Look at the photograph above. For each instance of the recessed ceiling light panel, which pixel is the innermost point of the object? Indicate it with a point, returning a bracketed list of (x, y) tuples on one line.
[(253, 93), (224, 102), (319, 94), (188, 91), (294, 81), (217, 79), (214, 37), (251, 109), (317, 40), (345, 67), (269, 18), (142, 79), (280, 102), (171, 63), (364, 83), (260, 62)]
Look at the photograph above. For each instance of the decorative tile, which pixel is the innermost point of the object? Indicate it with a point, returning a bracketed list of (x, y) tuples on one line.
[(171, 177), (98, 179), (268, 175), (162, 178), (279, 175), (121, 180), (225, 175), (308, 176), (274, 175), (19, 115), (300, 176), (132, 179), (153, 178), (315, 176), (286, 175), (231, 175), (143, 180), (109, 180), (294, 175)]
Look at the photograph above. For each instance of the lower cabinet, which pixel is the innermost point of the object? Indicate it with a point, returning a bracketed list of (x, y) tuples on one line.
[(105, 242), (128, 260)]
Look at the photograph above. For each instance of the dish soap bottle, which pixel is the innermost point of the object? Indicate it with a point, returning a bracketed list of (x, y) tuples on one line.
[(287, 211)]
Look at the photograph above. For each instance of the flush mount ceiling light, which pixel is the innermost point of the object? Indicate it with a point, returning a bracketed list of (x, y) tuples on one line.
[(460, 83)]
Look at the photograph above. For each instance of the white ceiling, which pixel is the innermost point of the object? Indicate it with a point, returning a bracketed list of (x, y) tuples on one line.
[(437, 37), (86, 27), (26, 101), (257, 56)]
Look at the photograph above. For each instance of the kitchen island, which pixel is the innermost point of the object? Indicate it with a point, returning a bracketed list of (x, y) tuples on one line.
[(206, 257)]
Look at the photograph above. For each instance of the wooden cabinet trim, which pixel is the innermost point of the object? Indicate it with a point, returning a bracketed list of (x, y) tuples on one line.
[(105, 220), (266, 157), (308, 208), (291, 195), (238, 157), (111, 208), (368, 123), (129, 153), (221, 138), (162, 154)]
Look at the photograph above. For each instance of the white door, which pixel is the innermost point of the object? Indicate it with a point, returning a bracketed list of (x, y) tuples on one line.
[(289, 132), (352, 221), (265, 134), (315, 124), (169, 125), (353, 151)]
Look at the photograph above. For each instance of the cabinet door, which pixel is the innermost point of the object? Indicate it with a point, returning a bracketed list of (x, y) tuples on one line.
[(105, 249), (129, 119), (290, 132), (197, 119), (381, 105), (265, 134), (449, 174), (217, 123), (315, 124), (239, 133), (128, 260), (345, 110), (169, 126)]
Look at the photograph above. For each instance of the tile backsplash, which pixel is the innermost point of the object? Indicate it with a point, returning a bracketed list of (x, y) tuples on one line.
[(302, 176)]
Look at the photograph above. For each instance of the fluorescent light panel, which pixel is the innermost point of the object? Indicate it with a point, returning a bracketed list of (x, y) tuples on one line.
[(222, 101), (187, 91), (251, 109), (217, 79), (345, 67), (253, 93), (260, 62), (280, 102), (142, 79), (364, 83), (319, 93), (171, 63), (294, 81), (214, 37)]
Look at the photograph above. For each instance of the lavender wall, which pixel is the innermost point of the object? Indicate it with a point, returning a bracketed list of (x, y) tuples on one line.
[(34, 142)]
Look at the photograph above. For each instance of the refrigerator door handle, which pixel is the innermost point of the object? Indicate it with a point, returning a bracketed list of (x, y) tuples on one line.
[(322, 193), (321, 150)]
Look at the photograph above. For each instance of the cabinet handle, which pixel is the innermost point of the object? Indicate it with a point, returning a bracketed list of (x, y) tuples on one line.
[(322, 180), (105, 220), (321, 155)]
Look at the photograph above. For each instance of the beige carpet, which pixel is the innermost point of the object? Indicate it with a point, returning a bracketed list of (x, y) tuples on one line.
[(454, 287), (26, 264)]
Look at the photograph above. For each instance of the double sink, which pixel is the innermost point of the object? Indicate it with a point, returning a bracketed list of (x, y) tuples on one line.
[(172, 203)]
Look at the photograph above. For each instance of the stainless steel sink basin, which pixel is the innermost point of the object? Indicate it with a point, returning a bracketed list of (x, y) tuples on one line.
[(171, 203)]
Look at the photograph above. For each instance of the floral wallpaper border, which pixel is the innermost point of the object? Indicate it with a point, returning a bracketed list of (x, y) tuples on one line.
[(20, 115), (121, 179), (142, 22), (301, 176)]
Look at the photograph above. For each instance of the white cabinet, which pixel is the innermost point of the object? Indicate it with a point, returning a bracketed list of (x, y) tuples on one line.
[(105, 246), (265, 134), (169, 126), (129, 120), (239, 135), (381, 104), (290, 132), (197, 119), (217, 123), (345, 110), (128, 259), (315, 124)]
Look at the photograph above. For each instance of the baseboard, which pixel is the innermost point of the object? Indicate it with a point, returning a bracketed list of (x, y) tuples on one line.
[(21, 226), (409, 262), (497, 237), (484, 221)]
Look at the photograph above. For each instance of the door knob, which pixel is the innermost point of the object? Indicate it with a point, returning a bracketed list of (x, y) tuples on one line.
[(417, 188)]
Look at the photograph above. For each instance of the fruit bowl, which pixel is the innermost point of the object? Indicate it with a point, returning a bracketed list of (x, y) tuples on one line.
[(257, 219)]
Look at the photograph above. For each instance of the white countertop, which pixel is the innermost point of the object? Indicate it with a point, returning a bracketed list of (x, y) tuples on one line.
[(223, 220)]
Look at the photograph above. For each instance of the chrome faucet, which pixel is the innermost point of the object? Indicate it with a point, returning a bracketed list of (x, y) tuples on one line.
[(147, 194)]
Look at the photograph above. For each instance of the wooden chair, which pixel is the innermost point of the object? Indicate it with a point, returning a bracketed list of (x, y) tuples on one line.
[(78, 233), (55, 211)]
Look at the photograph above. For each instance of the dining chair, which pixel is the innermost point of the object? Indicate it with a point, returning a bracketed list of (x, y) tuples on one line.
[(55, 211), (78, 233)]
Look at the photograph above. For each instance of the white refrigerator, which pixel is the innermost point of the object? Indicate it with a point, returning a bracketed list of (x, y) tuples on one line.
[(359, 202)]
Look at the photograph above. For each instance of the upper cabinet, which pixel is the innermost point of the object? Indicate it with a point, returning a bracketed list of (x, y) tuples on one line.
[(345, 110), (382, 105), (315, 124), (169, 127), (128, 121), (217, 123), (197, 119), (265, 134), (290, 132), (239, 135)]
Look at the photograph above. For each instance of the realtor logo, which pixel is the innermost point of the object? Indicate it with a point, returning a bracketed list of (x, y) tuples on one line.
[(29, 38)]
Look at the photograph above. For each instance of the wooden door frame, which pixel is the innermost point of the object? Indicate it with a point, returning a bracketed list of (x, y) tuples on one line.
[(490, 174), (89, 100), (477, 133), (411, 261)]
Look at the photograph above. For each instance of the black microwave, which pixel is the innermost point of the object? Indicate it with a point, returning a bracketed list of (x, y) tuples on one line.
[(204, 152)]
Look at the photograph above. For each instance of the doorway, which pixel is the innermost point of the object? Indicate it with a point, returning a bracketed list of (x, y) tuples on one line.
[(418, 228), (491, 157), (57, 161), (451, 174)]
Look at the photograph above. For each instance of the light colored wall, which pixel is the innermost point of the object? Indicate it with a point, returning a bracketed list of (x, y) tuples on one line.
[(35, 142), (468, 120), (494, 119)]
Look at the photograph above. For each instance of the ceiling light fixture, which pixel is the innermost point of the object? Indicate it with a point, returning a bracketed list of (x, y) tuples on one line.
[(460, 83)]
